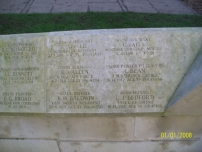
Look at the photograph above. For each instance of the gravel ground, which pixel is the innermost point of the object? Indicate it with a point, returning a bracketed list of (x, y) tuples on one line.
[(194, 4)]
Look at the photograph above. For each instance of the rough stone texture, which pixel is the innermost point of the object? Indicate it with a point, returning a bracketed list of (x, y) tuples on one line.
[(149, 58), (160, 146), (28, 146), (151, 128), (67, 128), (189, 105), (95, 71), (22, 73)]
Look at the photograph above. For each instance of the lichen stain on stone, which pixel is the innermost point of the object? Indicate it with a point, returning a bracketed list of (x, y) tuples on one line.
[(165, 145), (68, 128), (97, 145), (75, 143), (7, 130), (117, 129), (57, 134)]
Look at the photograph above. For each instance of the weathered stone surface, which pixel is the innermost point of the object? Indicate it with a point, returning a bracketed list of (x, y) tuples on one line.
[(99, 71), (168, 128), (28, 146), (160, 146), (67, 128), (130, 71), (22, 73)]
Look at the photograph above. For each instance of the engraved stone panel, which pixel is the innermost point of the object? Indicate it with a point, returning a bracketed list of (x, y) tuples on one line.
[(117, 71), (95, 71), (22, 73)]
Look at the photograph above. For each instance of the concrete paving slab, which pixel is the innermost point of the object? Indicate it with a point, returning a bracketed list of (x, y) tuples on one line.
[(102, 1), (70, 6), (170, 7), (59, 6), (41, 9), (41, 6), (12, 6), (139, 6), (104, 7)]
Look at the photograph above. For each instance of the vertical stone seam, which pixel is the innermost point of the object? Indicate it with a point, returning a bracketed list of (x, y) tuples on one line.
[(45, 76), (134, 119), (58, 143)]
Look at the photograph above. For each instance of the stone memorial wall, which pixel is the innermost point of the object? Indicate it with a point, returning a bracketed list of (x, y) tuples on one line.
[(102, 90), (95, 71)]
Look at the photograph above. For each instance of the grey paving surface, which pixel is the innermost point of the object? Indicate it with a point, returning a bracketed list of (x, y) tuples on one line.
[(58, 6)]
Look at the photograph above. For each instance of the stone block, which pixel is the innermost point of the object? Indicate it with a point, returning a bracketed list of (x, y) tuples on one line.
[(95, 71), (160, 146), (67, 128), (22, 73), (28, 146), (168, 128)]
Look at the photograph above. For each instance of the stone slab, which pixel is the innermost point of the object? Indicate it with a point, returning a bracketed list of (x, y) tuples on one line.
[(102, 1), (54, 6), (10, 6), (160, 146), (28, 146), (167, 7), (67, 128), (139, 6), (70, 6), (168, 128), (22, 73), (104, 7), (41, 6), (97, 71)]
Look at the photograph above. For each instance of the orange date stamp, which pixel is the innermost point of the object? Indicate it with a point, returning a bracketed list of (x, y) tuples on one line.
[(181, 135)]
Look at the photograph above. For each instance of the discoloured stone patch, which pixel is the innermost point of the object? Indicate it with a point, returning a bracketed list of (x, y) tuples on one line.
[(76, 128), (28, 146), (166, 146)]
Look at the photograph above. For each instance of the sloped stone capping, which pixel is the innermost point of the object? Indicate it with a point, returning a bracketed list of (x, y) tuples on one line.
[(95, 71)]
